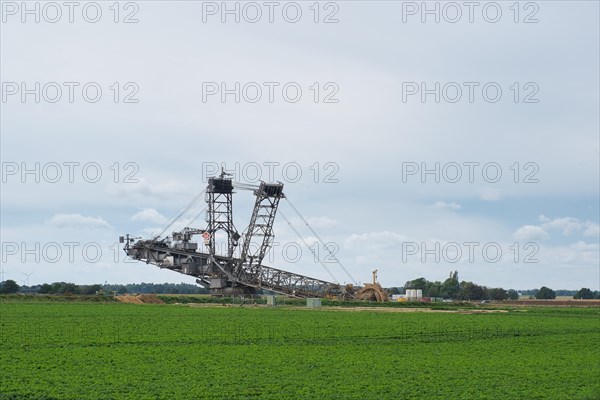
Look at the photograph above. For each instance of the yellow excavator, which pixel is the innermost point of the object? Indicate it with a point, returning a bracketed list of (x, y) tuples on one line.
[(372, 291)]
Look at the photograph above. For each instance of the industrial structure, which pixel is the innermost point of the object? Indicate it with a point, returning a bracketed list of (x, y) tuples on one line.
[(225, 272), (372, 291)]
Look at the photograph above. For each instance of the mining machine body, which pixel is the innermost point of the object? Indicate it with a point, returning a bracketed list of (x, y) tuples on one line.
[(222, 272)]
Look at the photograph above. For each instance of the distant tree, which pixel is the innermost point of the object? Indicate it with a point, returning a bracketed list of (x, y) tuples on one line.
[(512, 294), (433, 289), (451, 286), (528, 292), (448, 289), (565, 292), (90, 289), (419, 283), (57, 287), (584, 293), (9, 287), (497, 294), (545, 293), (471, 291), (69, 288), (45, 288), (393, 290)]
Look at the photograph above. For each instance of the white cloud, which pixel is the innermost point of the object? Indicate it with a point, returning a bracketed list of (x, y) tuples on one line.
[(149, 215), (489, 194), (444, 205), (576, 254), (592, 229), (543, 218), (567, 225), (530, 232), (570, 225), (77, 221), (585, 247)]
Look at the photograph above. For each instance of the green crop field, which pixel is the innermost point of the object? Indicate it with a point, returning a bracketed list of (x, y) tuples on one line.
[(127, 351)]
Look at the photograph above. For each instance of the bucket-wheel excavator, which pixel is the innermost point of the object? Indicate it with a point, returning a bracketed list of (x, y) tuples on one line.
[(372, 291), (222, 272)]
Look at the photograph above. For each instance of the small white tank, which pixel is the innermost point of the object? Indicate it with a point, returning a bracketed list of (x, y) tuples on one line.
[(419, 295)]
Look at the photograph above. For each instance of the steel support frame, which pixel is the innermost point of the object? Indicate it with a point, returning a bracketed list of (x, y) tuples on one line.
[(220, 218), (261, 224)]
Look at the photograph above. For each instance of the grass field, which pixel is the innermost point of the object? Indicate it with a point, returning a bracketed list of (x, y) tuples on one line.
[(127, 351)]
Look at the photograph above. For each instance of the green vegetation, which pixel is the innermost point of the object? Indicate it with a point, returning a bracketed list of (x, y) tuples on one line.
[(146, 288), (545, 294), (584, 293), (8, 287), (42, 298), (126, 351), (512, 295), (452, 288)]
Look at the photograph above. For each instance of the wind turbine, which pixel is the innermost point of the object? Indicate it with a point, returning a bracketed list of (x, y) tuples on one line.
[(27, 275)]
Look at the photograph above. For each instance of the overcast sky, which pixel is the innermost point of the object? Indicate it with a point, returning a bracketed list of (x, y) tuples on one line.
[(415, 146)]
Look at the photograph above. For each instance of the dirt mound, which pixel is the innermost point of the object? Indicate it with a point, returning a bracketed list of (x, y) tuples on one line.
[(150, 299), (129, 299), (140, 299)]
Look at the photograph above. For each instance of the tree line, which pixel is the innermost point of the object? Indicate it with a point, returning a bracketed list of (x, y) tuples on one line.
[(453, 288), (64, 288)]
